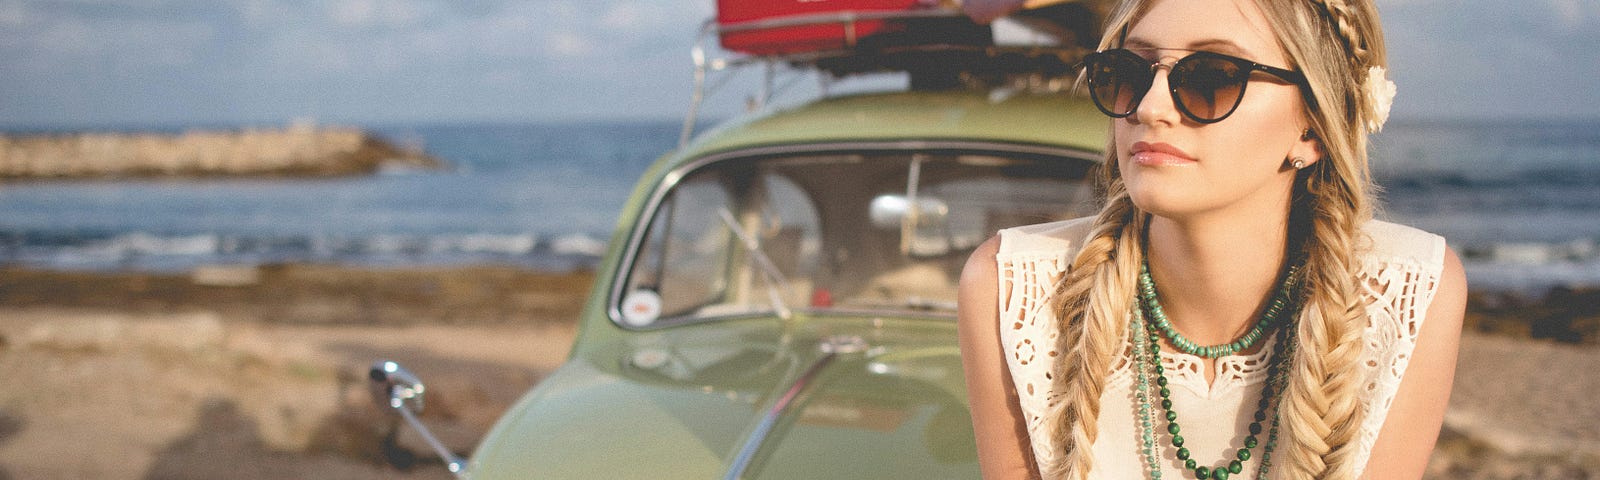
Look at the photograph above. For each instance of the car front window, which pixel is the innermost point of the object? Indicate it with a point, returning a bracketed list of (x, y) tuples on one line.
[(869, 232)]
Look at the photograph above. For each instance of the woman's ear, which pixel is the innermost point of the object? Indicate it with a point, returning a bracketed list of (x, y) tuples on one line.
[(1307, 151)]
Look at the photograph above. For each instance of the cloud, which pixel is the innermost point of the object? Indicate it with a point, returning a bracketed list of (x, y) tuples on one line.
[(624, 16), (13, 15), (567, 44), (1569, 14)]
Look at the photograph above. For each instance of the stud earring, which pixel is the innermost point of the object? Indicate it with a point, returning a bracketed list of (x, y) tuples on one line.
[(1298, 163)]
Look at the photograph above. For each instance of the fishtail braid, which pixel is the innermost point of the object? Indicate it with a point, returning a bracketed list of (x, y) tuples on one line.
[(1320, 408), (1092, 301)]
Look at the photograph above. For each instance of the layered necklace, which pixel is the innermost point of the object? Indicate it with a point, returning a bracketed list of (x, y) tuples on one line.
[(1146, 338)]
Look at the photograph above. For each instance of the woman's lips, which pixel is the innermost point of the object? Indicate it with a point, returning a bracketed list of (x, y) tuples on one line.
[(1154, 154)]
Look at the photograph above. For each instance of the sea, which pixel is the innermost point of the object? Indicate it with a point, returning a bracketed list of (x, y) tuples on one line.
[(1518, 199)]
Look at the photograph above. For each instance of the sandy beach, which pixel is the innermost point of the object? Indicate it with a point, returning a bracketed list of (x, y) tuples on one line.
[(260, 372)]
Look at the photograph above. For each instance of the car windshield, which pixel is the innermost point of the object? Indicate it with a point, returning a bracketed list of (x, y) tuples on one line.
[(870, 232)]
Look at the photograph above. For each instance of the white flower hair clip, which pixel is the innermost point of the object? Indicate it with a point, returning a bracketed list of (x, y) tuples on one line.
[(1379, 92)]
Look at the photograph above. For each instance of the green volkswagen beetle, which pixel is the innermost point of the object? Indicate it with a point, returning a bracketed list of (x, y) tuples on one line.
[(778, 300)]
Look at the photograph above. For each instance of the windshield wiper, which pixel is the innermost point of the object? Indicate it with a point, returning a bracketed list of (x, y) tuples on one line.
[(775, 281)]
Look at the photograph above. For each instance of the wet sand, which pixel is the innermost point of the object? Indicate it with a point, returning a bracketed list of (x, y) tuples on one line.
[(250, 373)]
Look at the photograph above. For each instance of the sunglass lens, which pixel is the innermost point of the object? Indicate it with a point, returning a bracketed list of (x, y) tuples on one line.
[(1208, 87), (1118, 82)]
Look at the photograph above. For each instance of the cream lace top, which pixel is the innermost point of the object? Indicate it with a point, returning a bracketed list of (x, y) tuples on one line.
[(1399, 276)]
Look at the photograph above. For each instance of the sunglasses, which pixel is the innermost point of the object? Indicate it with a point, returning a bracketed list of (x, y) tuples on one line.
[(1206, 86)]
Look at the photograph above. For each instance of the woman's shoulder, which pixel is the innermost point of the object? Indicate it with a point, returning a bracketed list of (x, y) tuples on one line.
[(1396, 243), (1055, 238)]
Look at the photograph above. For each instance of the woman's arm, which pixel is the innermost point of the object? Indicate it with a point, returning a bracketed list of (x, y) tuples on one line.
[(1002, 434), (1409, 432)]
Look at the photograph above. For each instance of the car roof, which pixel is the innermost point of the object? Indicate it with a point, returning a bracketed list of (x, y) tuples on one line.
[(1059, 120)]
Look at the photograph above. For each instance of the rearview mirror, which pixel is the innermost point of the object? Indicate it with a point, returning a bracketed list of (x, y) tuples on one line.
[(924, 230), (396, 389)]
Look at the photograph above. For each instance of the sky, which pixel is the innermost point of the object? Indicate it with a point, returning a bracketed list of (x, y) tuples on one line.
[(132, 63)]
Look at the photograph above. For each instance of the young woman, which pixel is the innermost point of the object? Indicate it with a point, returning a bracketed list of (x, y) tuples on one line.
[(1233, 311)]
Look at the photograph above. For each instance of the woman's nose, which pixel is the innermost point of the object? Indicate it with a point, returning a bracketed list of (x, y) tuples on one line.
[(1157, 106)]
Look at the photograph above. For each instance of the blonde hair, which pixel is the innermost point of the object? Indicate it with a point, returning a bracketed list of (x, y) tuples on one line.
[(1335, 43)]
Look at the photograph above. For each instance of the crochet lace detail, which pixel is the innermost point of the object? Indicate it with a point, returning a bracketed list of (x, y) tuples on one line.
[(1397, 290)]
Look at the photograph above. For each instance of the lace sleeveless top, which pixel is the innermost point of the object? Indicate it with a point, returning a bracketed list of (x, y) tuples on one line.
[(1399, 275)]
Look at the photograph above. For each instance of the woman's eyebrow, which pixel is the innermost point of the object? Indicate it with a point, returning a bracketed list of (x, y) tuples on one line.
[(1217, 45), (1136, 43), (1220, 45)]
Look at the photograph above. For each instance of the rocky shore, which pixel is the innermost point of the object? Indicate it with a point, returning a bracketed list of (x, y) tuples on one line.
[(298, 151), (258, 372)]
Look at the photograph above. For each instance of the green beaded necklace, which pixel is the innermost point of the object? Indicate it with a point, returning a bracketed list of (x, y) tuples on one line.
[(1147, 363), (1280, 301)]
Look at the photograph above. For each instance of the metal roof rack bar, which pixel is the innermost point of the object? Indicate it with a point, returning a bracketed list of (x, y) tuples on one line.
[(703, 64)]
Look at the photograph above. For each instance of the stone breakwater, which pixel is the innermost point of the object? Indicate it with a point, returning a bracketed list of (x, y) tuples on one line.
[(292, 151)]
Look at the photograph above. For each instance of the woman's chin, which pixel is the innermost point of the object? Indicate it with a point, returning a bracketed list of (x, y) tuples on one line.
[(1161, 202)]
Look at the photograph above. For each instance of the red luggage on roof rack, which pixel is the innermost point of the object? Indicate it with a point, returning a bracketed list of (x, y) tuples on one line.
[(775, 27)]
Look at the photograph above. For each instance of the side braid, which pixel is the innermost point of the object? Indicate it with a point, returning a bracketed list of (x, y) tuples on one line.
[(1092, 300), (1320, 409)]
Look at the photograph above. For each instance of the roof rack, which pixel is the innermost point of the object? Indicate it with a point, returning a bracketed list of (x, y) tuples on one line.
[(939, 49)]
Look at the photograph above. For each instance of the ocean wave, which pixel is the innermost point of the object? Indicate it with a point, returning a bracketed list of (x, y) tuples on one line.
[(1532, 266), (1500, 178), (1534, 253), (578, 245), (146, 250)]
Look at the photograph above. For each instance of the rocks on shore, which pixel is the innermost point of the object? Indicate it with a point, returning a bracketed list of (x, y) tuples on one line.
[(298, 150), (314, 294), (1564, 314)]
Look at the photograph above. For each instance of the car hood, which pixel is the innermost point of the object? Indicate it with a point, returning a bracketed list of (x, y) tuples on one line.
[(866, 398)]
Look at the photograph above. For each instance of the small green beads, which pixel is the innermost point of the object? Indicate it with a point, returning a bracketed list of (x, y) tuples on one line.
[(1158, 317)]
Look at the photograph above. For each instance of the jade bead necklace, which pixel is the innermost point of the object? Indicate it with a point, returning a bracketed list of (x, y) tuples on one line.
[(1146, 339), (1147, 361), (1158, 317)]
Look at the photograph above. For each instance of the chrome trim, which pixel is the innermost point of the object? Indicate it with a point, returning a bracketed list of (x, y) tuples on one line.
[(758, 437), (842, 344), (671, 178), (831, 348)]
